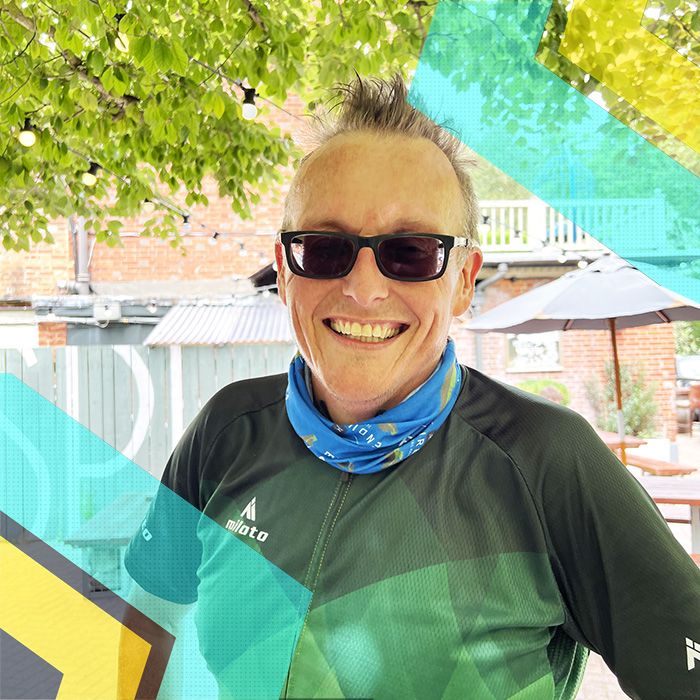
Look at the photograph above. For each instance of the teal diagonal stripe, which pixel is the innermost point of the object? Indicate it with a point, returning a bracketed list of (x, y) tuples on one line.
[(478, 75), (56, 478)]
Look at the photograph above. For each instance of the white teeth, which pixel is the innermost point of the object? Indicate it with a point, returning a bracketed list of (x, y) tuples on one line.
[(365, 332)]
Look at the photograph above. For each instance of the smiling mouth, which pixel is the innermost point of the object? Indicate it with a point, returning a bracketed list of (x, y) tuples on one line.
[(365, 332)]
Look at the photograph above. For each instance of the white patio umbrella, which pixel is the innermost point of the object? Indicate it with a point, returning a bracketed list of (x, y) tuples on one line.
[(608, 294)]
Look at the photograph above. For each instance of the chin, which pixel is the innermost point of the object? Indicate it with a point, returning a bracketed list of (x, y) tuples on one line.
[(366, 390)]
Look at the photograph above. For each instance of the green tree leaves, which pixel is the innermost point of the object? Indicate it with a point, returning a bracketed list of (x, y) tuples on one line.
[(165, 113)]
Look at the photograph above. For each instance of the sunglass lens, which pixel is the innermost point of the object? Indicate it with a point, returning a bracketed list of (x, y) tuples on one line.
[(412, 257), (321, 255)]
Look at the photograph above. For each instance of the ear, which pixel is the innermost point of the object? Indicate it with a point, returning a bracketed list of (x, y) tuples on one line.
[(464, 290), (281, 282)]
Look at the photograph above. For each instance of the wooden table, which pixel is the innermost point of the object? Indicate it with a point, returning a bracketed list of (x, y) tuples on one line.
[(612, 440), (675, 490)]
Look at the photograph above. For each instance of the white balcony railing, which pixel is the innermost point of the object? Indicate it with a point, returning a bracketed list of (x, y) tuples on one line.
[(522, 225)]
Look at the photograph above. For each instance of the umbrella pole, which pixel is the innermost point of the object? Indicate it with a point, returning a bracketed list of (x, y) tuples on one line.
[(618, 392)]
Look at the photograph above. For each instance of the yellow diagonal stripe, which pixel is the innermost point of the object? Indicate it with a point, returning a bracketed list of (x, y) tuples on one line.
[(67, 630), (605, 38)]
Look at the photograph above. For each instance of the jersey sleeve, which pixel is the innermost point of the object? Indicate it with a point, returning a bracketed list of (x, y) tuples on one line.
[(631, 591), (165, 553)]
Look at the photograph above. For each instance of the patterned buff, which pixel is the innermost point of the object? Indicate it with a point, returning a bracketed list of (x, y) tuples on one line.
[(385, 440)]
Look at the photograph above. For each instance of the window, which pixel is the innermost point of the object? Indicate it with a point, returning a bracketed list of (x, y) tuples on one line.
[(533, 352)]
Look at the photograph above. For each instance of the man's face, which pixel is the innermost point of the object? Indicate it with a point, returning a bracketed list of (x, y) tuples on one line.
[(370, 185)]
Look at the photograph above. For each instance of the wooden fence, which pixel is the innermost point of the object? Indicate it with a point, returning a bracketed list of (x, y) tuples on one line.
[(139, 399)]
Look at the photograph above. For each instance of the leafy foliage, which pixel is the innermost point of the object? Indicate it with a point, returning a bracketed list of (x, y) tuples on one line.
[(151, 92), (687, 334), (550, 389), (492, 183), (638, 405), (674, 24), (513, 106)]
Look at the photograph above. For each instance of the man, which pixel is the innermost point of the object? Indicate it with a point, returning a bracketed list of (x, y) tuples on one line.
[(459, 539)]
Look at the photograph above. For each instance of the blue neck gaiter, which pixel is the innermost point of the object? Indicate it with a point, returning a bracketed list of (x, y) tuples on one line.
[(386, 439)]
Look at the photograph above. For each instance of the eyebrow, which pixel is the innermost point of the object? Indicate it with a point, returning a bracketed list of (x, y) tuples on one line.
[(400, 226)]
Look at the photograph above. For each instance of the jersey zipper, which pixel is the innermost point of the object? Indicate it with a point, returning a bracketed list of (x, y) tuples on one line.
[(326, 530), (317, 555)]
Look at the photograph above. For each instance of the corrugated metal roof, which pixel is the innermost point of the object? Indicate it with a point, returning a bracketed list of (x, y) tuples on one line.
[(253, 319)]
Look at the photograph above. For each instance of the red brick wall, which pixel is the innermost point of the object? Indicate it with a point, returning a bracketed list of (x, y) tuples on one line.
[(37, 272), (583, 355), (52, 333)]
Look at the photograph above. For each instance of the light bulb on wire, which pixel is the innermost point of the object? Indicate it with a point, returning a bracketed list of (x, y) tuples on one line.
[(186, 225), (483, 228), (148, 206), (250, 110), (27, 137), (89, 177)]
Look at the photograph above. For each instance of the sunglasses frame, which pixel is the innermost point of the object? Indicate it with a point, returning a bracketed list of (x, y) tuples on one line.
[(373, 242)]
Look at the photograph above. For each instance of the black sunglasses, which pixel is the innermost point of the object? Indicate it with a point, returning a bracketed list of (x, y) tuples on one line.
[(407, 257)]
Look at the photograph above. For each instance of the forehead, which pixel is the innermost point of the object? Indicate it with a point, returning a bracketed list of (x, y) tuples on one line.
[(374, 181)]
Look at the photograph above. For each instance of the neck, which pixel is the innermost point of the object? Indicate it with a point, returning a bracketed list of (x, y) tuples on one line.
[(344, 411)]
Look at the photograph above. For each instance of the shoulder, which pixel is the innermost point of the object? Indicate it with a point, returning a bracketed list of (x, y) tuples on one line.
[(238, 399), (531, 430)]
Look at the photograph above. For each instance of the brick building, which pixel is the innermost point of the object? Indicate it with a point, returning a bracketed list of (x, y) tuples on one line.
[(134, 285)]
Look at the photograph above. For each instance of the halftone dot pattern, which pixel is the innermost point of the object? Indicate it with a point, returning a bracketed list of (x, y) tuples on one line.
[(527, 121), (51, 463)]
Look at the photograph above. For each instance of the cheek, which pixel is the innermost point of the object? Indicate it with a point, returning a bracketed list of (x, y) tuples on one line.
[(432, 307), (304, 296)]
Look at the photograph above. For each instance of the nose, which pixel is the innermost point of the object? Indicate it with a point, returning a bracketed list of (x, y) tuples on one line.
[(365, 283)]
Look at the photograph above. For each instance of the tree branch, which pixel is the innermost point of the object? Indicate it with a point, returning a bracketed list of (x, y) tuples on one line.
[(688, 29), (17, 55), (75, 63), (416, 8), (9, 97), (339, 3), (254, 15)]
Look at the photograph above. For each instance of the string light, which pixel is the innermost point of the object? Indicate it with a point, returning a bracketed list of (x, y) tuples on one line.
[(250, 110), (27, 137), (483, 228), (89, 177), (241, 250), (148, 206), (212, 239), (186, 226)]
